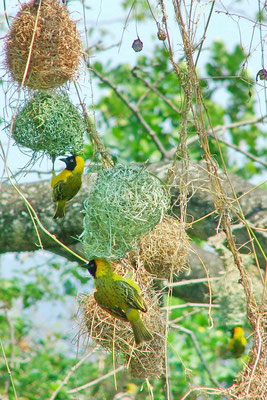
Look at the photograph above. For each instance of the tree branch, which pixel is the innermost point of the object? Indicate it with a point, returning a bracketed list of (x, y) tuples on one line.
[(135, 110)]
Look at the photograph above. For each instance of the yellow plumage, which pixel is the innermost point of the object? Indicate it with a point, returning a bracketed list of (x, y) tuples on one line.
[(120, 296), (237, 344), (67, 184), (128, 394)]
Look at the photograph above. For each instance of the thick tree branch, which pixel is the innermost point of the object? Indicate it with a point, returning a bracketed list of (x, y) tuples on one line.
[(18, 234)]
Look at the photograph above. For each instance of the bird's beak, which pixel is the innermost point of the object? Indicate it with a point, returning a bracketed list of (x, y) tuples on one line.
[(63, 159), (84, 266)]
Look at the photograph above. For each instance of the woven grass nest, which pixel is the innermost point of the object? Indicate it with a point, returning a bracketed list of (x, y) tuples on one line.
[(124, 203), (163, 251), (231, 296), (56, 50), (50, 124), (116, 336)]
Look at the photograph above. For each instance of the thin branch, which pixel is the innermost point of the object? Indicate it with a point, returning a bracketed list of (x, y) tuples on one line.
[(91, 129), (222, 128), (155, 90), (205, 31), (192, 281), (205, 305), (8, 370), (134, 110), (195, 342), (92, 383), (67, 377), (240, 17)]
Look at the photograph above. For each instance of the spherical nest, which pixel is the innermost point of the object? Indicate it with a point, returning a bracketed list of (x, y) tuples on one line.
[(231, 296), (116, 336), (49, 123), (124, 203), (56, 50), (163, 251)]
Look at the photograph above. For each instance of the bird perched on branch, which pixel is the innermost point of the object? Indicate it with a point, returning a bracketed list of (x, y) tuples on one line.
[(129, 393), (119, 296), (237, 344), (67, 184)]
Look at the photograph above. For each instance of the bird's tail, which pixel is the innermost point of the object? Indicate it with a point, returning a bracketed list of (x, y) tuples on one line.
[(60, 211), (140, 331)]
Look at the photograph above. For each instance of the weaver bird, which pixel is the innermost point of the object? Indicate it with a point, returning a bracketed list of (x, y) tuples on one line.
[(237, 343), (67, 184), (130, 390), (119, 296)]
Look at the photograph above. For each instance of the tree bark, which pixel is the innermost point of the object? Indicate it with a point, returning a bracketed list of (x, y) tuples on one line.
[(18, 232)]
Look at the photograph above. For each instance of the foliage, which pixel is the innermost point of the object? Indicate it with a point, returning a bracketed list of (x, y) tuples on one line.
[(127, 137)]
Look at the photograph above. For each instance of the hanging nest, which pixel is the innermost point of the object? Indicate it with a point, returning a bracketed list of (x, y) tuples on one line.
[(56, 49), (124, 203), (49, 123), (116, 336), (230, 295), (163, 251)]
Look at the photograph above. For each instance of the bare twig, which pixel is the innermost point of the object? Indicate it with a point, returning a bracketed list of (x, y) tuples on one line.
[(8, 370), (135, 110), (205, 31), (205, 305), (91, 129), (155, 90), (240, 17), (94, 382), (67, 377), (192, 281)]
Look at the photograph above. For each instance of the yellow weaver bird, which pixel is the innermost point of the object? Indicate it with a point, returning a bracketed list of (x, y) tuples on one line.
[(237, 344), (67, 184), (119, 296), (130, 390)]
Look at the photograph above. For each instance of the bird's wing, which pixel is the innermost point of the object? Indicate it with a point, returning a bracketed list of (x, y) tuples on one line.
[(130, 295), (66, 189), (59, 191), (113, 310)]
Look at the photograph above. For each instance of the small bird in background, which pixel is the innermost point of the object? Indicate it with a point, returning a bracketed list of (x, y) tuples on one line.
[(67, 184), (237, 344), (130, 390), (119, 296)]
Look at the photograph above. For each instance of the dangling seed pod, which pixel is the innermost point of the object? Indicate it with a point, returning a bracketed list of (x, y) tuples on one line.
[(262, 74), (162, 34), (137, 45)]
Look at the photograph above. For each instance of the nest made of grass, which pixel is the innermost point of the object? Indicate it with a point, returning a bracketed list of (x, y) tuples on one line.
[(163, 251), (116, 336), (230, 294), (125, 202), (49, 124), (56, 49)]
